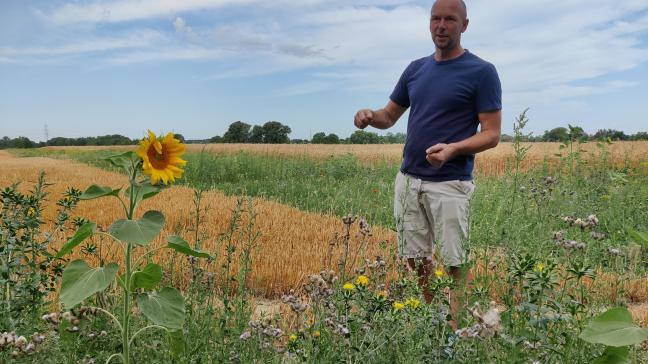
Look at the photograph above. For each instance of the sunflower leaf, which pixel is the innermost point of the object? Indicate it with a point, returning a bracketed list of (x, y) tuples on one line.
[(96, 191), (124, 160), (80, 281), (146, 278), (81, 234), (181, 246), (613, 355), (139, 232), (614, 327), (143, 191), (165, 308)]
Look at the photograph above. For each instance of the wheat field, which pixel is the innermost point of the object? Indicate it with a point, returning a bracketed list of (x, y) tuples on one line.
[(291, 245), (491, 162)]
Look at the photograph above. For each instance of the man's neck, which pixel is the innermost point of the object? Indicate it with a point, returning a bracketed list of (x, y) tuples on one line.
[(448, 54)]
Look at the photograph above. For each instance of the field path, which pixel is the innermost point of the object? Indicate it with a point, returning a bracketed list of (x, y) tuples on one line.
[(292, 243)]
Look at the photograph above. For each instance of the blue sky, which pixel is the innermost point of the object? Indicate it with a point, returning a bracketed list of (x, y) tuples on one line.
[(89, 68)]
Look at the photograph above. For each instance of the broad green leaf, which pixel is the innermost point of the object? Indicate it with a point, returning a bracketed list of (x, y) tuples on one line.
[(80, 281), (139, 232), (143, 191), (96, 191), (165, 308), (124, 160), (180, 245), (639, 237), (81, 234), (146, 278), (612, 355), (614, 327)]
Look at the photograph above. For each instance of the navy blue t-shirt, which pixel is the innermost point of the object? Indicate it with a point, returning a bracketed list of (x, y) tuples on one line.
[(445, 98)]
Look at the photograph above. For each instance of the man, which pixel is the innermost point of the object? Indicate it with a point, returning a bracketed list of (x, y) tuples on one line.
[(450, 93)]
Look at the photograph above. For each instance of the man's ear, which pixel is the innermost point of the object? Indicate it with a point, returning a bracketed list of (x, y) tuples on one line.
[(465, 25)]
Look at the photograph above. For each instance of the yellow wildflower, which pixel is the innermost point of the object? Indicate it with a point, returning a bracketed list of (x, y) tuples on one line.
[(382, 294), (438, 273), (362, 281), (398, 306), (539, 267), (316, 334), (293, 337), (161, 157), (30, 211), (348, 287), (412, 302)]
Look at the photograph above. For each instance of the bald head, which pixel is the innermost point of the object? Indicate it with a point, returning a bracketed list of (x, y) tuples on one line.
[(459, 4)]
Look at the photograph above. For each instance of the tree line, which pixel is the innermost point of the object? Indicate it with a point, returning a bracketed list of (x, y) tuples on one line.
[(274, 132), (562, 134)]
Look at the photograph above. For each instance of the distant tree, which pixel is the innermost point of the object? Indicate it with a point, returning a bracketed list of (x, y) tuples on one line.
[(238, 132), (298, 141), (318, 138), (215, 139), (612, 134), (21, 142), (256, 135), (332, 139), (322, 138), (506, 138), (642, 135), (391, 138), (180, 137), (576, 133), (59, 141), (114, 139), (364, 137), (275, 132), (559, 134)]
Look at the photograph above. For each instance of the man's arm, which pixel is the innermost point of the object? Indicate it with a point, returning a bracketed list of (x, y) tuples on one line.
[(488, 137), (381, 119)]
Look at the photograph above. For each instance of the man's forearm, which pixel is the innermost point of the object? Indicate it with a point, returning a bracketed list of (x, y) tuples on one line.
[(382, 119), (477, 143)]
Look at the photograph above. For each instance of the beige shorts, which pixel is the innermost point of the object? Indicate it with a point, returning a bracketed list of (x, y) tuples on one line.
[(428, 212)]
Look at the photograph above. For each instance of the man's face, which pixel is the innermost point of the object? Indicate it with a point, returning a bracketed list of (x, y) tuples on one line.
[(447, 22)]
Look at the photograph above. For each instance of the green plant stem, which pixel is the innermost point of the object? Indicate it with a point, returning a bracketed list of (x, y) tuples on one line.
[(143, 329), (125, 338), (112, 356), (119, 326), (127, 276)]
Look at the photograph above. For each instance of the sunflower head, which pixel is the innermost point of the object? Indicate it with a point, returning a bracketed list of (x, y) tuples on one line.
[(161, 157)]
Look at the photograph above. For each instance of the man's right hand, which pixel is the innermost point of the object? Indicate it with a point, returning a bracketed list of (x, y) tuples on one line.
[(363, 118)]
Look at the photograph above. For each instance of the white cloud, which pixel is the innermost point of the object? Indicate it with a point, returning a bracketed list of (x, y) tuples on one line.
[(119, 11), (135, 39), (548, 52)]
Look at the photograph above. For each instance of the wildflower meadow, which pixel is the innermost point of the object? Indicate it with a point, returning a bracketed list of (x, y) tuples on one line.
[(163, 253)]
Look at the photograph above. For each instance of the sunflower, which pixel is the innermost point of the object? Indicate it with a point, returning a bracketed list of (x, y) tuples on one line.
[(161, 157)]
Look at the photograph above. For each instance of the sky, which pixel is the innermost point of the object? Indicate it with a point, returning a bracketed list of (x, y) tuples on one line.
[(88, 68)]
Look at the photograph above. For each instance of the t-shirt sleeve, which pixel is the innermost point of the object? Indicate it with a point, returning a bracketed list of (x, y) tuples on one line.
[(400, 95), (489, 91)]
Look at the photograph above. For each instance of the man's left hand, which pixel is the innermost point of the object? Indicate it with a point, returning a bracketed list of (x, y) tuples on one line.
[(440, 153)]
